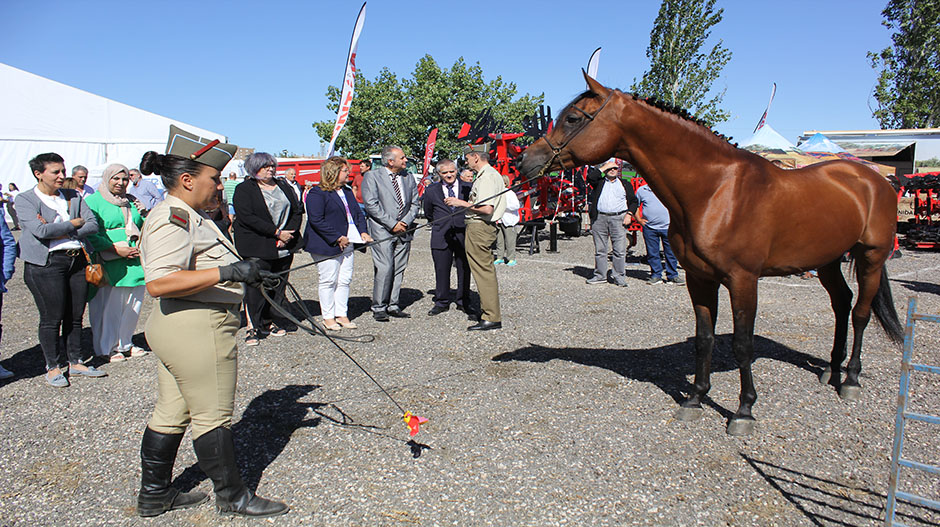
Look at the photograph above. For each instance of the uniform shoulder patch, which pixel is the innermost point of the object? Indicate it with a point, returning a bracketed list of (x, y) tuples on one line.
[(179, 216)]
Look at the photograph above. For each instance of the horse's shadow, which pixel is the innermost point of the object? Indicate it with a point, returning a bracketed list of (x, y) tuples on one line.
[(263, 432), (665, 366)]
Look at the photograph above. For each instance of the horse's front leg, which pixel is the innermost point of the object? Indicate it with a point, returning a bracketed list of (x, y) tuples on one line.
[(704, 295), (744, 306), (830, 275)]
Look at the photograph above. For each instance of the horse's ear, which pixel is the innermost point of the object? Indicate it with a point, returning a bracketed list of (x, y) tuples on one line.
[(595, 87)]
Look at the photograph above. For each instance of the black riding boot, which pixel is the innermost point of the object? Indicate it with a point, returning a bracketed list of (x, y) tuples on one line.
[(157, 454), (215, 451)]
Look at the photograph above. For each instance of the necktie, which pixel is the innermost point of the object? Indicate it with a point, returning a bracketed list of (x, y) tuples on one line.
[(401, 202), (450, 193)]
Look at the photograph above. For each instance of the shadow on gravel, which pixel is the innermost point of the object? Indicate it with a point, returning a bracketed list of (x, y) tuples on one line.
[(263, 432), (630, 272), (666, 366), (826, 502), (31, 363), (919, 287), (408, 296)]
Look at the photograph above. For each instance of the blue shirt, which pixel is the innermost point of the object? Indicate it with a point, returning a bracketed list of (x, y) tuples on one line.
[(9, 252), (146, 192), (655, 213)]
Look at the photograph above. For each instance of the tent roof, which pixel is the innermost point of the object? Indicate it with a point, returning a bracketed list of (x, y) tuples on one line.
[(820, 143), (35, 108), (768, 138)]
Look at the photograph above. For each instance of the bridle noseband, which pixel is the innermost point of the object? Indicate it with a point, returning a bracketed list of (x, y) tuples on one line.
[(557, 150)]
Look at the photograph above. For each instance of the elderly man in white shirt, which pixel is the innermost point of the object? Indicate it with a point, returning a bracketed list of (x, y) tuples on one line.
[(611, 207)]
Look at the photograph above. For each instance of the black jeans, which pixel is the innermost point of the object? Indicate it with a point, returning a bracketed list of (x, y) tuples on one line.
[(258, 309), (59, 288)]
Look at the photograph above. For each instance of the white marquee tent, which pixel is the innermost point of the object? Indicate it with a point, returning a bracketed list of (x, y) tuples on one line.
[(42, 115)]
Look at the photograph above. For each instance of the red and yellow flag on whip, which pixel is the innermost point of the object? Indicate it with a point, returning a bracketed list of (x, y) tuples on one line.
[(414, 422), (349, 81)]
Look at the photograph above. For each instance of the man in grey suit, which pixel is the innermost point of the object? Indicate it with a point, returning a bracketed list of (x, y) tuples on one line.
[(390, 198)]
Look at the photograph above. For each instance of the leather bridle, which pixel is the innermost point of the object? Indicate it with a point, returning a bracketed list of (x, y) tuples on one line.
[(557, 150)]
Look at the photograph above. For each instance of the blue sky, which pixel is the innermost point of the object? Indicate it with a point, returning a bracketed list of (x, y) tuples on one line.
[(258, 71)]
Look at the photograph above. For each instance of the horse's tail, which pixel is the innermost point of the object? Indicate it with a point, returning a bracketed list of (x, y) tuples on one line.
[(883, 307)]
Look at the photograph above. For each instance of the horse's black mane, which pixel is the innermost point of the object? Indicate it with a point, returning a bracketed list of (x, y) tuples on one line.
[(663, 106)]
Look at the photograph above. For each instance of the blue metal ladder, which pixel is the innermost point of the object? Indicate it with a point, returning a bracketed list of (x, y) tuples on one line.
[(897, 461)]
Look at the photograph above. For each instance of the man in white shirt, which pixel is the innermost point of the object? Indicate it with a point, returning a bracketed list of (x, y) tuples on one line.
[(80, 175), (611, 205)]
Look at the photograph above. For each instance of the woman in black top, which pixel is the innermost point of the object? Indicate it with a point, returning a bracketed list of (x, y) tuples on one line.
[(268, 217)]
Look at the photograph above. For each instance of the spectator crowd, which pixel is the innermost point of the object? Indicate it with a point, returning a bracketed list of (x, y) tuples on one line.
[(208, 251), (473, 218)]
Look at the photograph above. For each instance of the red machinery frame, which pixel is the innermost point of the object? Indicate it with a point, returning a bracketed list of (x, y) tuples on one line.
[(926, 205)]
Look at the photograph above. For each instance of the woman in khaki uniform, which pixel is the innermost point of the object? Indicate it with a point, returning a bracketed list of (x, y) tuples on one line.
[(196, 275)]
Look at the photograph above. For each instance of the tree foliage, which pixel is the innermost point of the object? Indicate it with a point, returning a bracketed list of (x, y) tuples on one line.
[(388, 110), (908, 89), (680, 73)]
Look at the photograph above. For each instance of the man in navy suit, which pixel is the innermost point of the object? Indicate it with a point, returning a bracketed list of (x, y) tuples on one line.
[(447, 239)]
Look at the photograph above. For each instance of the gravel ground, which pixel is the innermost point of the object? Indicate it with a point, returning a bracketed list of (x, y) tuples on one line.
[(564, 417)]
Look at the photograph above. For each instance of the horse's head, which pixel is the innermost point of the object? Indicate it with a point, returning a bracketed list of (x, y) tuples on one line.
[(584, 133)]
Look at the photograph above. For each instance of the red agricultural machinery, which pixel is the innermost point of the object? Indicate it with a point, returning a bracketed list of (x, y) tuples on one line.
[(556, 199), (922, 231)]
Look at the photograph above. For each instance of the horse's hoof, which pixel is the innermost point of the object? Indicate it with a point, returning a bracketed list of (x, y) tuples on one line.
[(688, 413), (825, 375), (850, 393), (741, 426)]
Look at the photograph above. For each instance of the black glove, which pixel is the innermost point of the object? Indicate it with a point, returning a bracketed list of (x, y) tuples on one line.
[(244, 271), (270, 280)]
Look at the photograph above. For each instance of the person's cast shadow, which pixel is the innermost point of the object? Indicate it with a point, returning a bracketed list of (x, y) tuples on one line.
[(666, 366), (360, 305), (263, 432)]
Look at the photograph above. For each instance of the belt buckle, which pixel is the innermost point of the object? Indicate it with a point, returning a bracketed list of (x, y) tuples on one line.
[(72, 252)]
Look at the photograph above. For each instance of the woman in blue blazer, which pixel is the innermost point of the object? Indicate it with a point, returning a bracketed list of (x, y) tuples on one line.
[(334, 224)]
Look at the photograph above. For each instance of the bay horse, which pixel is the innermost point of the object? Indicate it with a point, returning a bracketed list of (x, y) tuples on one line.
[(735, 217)]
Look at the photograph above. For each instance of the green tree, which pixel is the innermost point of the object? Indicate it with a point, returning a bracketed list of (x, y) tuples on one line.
[(933, 162), (680, 73), (387, 110), (908, 89)]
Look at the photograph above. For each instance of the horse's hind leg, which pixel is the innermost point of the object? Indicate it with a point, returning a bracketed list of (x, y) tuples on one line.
[(868, 273), (704, 295), (840, 296)]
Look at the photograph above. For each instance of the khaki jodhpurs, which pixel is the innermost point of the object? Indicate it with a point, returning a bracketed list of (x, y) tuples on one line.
[(478, 241), (195, 343)]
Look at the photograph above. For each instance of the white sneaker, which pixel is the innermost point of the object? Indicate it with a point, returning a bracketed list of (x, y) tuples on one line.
[(5, 373)]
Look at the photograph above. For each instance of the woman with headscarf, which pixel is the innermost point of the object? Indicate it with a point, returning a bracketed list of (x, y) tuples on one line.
[(115, 307), (267, 227)]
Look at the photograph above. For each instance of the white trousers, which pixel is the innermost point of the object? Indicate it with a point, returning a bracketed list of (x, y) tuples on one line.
[(113, 313), (335, 276)]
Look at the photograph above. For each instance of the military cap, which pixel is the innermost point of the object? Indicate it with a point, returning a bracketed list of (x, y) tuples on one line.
[(210, 152), (481, 148)]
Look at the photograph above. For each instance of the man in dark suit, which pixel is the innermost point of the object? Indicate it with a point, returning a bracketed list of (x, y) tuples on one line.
[(447, 238), (390, 198)]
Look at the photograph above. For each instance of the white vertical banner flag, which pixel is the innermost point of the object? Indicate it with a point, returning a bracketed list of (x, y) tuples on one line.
[(763, 118), (593, 63), (349, 81)]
